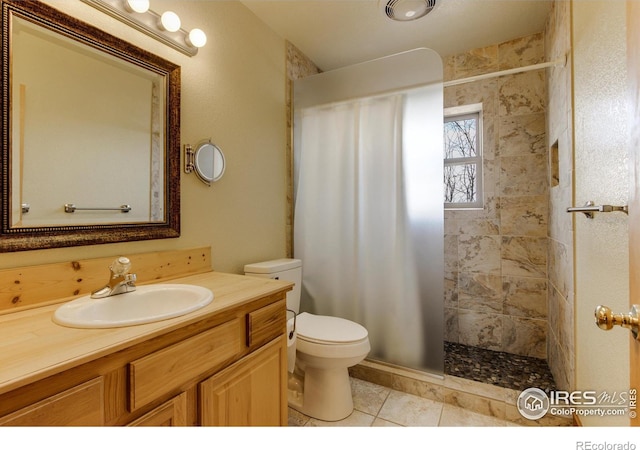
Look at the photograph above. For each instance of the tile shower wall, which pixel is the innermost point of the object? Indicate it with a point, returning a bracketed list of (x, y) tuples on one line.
[(560, 335), (298, 65), (496, 258)]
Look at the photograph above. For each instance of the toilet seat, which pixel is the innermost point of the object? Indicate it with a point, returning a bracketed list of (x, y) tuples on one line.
[(329, 330)]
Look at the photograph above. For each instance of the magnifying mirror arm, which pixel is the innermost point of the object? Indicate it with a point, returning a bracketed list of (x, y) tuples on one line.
[(189, 159)]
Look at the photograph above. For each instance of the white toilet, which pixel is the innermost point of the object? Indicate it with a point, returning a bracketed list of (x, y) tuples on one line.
[(323, 349)]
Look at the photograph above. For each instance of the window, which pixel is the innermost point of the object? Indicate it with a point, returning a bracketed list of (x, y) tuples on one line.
[(463, 157)]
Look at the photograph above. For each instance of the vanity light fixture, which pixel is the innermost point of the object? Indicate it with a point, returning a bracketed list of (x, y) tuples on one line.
[(170, 21), (197, 38), (165, 27), (139, 6)]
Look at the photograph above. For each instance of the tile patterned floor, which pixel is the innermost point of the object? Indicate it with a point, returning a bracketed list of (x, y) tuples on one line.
[(479, 388), (379, 406)]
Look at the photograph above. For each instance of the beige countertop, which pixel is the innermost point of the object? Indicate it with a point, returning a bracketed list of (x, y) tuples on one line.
[(33, 347)]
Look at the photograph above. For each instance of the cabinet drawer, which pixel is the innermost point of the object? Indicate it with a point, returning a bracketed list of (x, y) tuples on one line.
[(82, 405), (170, 368), (266, 323)]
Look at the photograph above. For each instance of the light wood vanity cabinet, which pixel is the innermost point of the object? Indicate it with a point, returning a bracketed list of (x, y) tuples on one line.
[(170, 368), (172, 413), (82, 405), (243, 394), (228, 369)]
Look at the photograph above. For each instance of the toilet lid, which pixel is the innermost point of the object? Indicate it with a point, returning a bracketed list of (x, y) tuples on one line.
[(328, 330)]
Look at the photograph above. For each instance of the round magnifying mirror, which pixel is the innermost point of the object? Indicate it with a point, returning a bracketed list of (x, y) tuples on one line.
[(209, 162)]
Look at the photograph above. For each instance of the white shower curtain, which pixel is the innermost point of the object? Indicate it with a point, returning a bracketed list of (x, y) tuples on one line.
[(352, 229)]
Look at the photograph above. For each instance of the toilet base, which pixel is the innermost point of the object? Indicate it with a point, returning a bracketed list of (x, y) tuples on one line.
[(326, 394)]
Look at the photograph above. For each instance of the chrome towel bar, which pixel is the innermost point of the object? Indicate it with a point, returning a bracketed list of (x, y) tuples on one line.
[(589, 208), (71, 208)]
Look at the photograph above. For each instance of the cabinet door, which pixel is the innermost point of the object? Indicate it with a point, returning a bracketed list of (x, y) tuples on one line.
[(251, 392), (82, 405), (170, 414)]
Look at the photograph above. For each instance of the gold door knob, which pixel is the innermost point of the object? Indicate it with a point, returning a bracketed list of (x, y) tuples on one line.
[(606, 320)]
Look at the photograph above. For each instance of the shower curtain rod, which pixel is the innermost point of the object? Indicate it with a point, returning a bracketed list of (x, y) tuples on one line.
[(556, 63)]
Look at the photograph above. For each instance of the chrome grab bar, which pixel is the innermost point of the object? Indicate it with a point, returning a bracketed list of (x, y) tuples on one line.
[(70, 208), (589, 208)]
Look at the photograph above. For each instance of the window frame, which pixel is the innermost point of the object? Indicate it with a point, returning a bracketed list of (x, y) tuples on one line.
[(459, 113)]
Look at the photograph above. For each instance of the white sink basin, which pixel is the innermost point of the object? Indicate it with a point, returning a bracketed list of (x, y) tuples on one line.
[(146, 304)]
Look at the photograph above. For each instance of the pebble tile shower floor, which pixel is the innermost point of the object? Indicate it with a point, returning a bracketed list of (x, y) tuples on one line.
[(497, 368)]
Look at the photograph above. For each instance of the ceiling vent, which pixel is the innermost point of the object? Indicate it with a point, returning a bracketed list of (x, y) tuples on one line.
[(406, 10)]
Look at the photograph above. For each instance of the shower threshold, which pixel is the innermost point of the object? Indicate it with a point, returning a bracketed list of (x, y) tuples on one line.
[(484, 397)]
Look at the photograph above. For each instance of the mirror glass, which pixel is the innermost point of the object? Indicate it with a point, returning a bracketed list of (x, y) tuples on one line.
[(64, 115), (209, 162), (93, 135)]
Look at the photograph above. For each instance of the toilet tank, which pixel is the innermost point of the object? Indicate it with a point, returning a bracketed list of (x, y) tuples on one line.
[(280, 269)]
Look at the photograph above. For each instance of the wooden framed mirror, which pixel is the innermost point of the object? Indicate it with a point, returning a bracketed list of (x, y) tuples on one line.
[(88, 120)]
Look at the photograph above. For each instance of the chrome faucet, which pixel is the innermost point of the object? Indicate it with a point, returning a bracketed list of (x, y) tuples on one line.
[(121, 280)]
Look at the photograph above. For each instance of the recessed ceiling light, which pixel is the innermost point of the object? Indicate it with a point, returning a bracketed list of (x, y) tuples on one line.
[(405, 10)]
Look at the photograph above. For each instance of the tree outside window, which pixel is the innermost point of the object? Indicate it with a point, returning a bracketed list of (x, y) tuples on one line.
[(462, 161)]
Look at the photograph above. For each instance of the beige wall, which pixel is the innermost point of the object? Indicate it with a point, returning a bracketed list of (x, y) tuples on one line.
[(601, 174), (233, 92), (496, 258)]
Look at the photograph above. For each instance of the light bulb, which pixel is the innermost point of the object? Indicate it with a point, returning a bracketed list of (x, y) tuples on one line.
[(170, 21), (139, 6), (197, 38)]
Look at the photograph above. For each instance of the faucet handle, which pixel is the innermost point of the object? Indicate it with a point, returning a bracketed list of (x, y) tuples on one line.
[(121, 266)]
